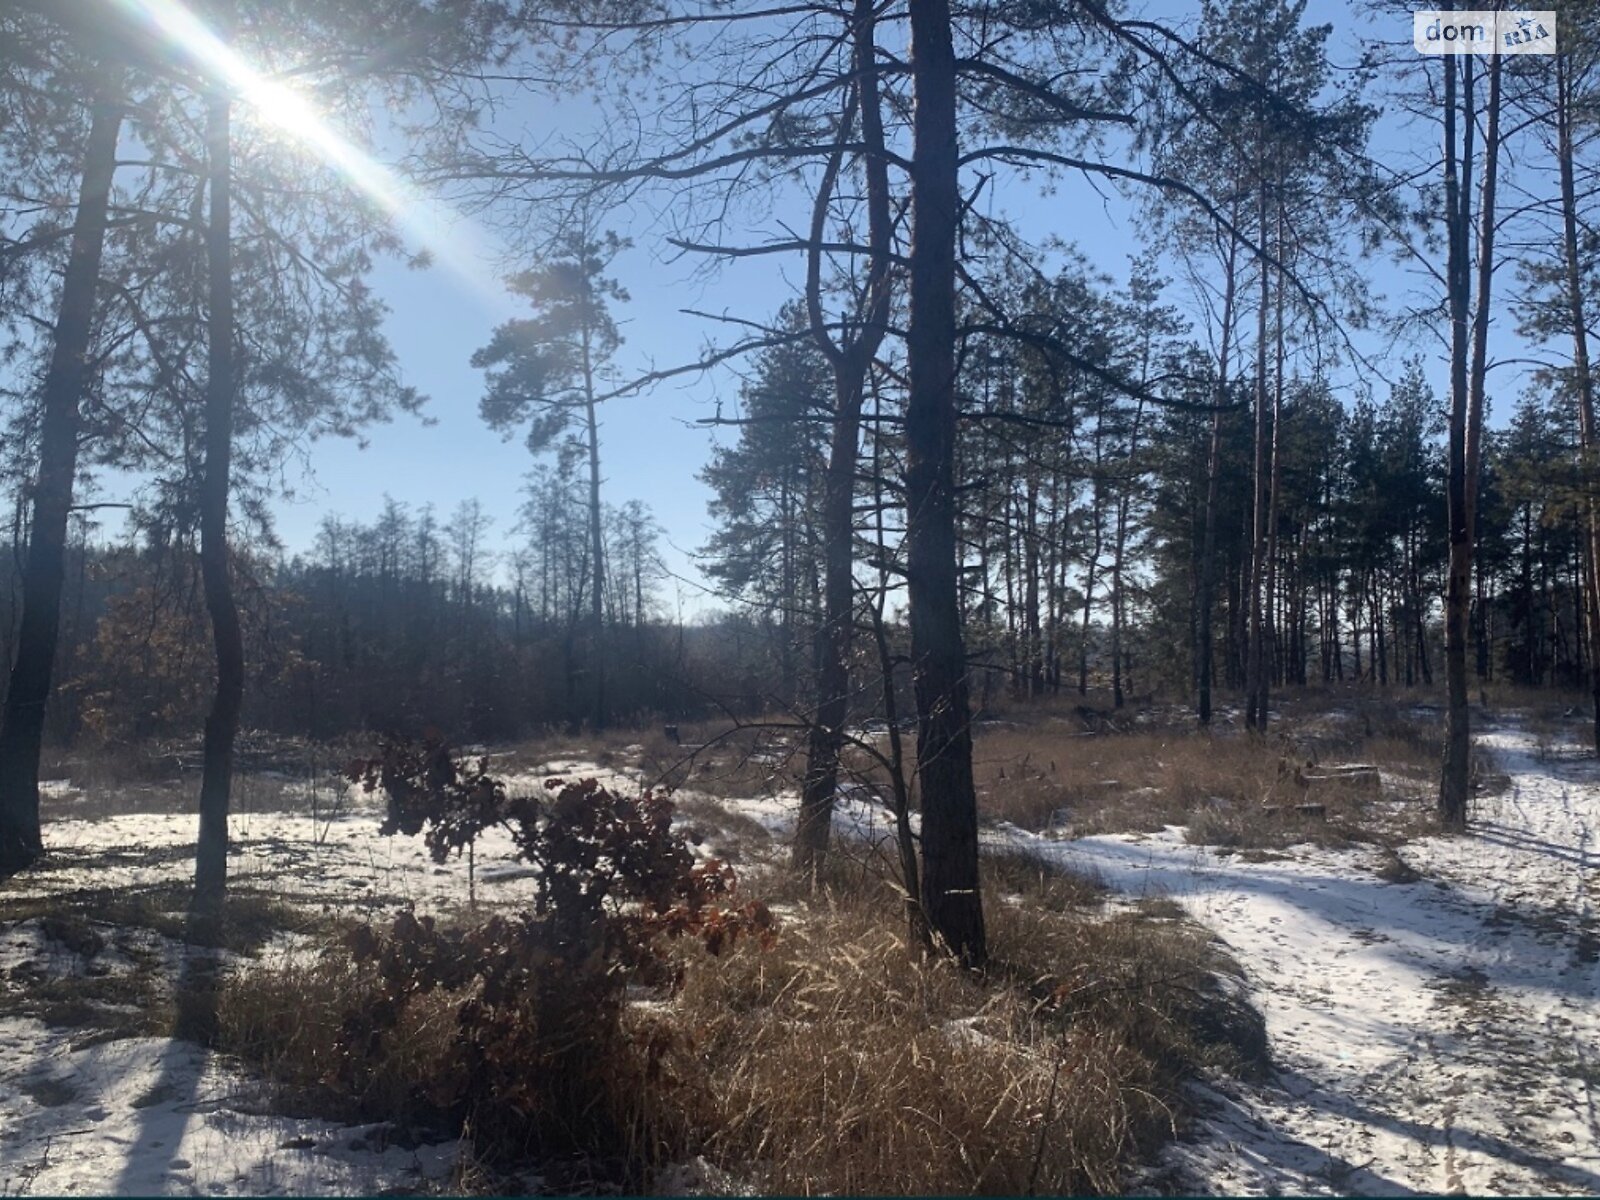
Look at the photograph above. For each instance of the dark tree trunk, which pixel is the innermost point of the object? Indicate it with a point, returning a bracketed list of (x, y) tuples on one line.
[(1271, 666), (22, 732), (1255, 671), (1454, 774), (826, 734), (944, 743), (222, 723), (1118, 558), (1090, 569), (597, 544), (1589, 441), (1034, 664), (1466, 409), (851, 362)]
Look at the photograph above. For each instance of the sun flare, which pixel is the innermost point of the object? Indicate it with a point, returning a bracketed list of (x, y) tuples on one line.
[(426, 220)]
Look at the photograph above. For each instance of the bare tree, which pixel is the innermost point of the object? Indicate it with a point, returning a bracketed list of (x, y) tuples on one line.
[(222, 722)]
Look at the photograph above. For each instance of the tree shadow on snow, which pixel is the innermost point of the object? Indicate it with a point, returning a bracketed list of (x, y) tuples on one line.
[(169, 1105), (1461, 1139), (1517, 839), (1282, 1163)]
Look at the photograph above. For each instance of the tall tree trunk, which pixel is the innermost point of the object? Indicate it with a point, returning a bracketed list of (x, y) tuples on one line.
[(1466, 409), (1480, 625), (43, 574), (1034, 665), (1204, 638), (1119, 551), (1255, 670), (1272, 657), (944, 743), (1380, 644), (222, 723), (597, 660), (1355, 625), (1589, 443), (1091, 568), (597, 545), (834, 632), (851, 361)]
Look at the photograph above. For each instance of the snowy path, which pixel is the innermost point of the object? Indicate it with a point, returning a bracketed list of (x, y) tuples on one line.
[(1436, 1036)]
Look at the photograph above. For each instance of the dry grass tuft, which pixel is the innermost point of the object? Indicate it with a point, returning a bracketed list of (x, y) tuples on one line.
[(836, 1061), (132, 963), (250, 918), (288, 1021), (1025, 879), (1392, 868), (733, 836), (709, 756), (837, 1064)]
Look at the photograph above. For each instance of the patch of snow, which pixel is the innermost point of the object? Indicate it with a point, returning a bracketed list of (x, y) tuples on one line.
[(1437, 1036), (156, 1117)]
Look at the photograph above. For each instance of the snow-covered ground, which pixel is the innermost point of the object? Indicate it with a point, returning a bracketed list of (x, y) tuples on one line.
[(157, 1116), (333, 859), (160, 1116), (1433, 1036), (1436, 1036)]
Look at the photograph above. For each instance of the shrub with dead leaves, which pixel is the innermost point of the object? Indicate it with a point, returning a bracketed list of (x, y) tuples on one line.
[(539, 994)]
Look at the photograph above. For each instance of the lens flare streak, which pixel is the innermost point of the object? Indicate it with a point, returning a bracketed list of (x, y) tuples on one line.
[(281, 107)]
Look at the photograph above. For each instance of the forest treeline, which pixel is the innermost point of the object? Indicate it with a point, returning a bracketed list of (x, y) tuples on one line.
[(963, 461), (412, 621)]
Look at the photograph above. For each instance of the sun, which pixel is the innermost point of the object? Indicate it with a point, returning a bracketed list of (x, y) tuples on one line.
[(426, 220)]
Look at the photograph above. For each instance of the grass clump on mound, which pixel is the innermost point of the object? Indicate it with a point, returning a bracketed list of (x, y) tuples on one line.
[(826, 1059)]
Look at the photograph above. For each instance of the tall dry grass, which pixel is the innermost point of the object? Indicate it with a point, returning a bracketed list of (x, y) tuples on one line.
[(839, 1064), (837, 1061)]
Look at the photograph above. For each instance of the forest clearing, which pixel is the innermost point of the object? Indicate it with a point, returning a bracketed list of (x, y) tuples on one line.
[(1430, 1004), (798, 597)]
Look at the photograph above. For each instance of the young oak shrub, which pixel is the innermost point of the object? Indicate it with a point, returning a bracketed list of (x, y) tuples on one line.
[(539, 1061)]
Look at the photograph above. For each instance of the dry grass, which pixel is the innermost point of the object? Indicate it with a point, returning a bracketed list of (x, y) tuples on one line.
[(250, 918), (103, 1004), (1047, 775), (287, 1020), (1392, 868), (122, 963), (836, 1061), (1049, 770), (837, 1064), (317, 791), (733, 837)]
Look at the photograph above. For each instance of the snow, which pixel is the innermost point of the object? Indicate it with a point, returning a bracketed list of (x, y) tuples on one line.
[(336, 859), (1437, 1036), (157, 1116)]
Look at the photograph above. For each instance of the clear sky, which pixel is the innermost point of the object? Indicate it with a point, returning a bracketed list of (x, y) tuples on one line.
[(652, 444)]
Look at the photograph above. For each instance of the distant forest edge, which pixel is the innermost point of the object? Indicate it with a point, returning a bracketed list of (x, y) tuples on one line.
[(411, 621)]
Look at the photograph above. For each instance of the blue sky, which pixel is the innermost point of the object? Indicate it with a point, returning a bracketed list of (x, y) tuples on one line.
[(651, 443)]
